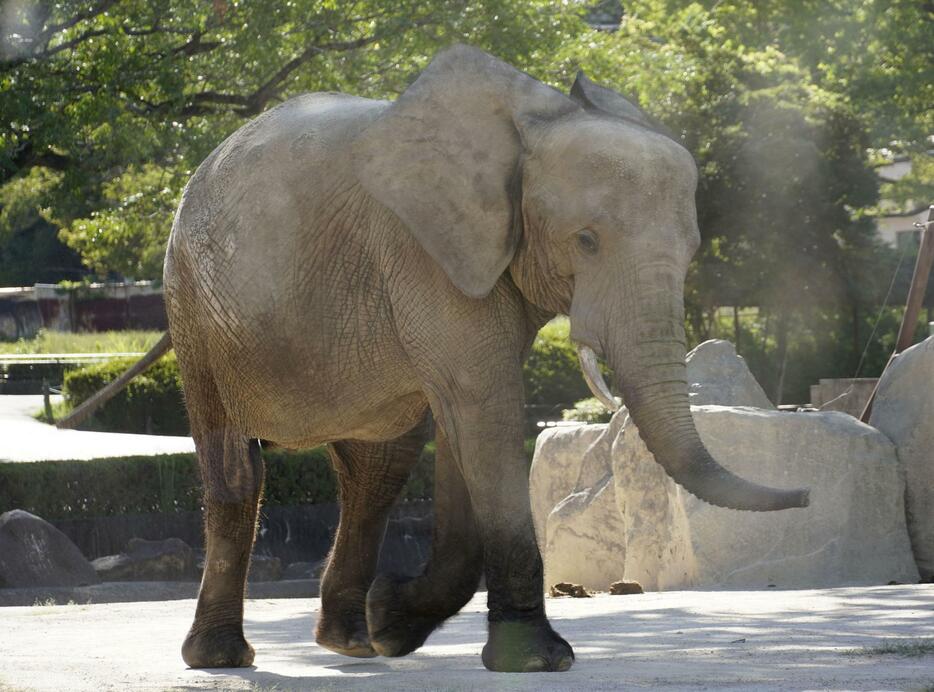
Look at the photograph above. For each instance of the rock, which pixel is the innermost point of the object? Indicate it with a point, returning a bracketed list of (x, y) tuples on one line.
[(167, 560), (556, 467), (854, 530), (657, 535), (35, 553), (718, 375), (574, 460), (265, 568), (625, 588), (567, 589), (904, 411), (262, 568), (584, 538), (303, 570), (664, 538)]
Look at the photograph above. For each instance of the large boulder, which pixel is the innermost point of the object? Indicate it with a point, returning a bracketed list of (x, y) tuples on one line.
[(35, 553), (904, 410), (718, 375), (579, 490), (562, 464), (556, 466), (584, 538), (661, 536), (852, 533), (657, 532), (167, 560)]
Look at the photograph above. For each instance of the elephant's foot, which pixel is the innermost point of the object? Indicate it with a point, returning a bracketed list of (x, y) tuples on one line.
[(222, 646), (344, 634), (395, 630), (526, 646)]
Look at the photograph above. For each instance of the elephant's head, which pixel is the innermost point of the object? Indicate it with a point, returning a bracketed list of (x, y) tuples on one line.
[(589, 208)]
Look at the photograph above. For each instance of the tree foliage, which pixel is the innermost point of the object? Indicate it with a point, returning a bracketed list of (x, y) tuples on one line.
[(774, 101), (117, 101)]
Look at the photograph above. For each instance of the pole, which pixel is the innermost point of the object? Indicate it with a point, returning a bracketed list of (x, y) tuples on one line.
[(919, 282)]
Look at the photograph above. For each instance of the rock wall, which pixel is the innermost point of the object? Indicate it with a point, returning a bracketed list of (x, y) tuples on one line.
[(904, 410)]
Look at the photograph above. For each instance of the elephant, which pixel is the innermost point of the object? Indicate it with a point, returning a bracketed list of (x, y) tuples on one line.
[(339, 267)]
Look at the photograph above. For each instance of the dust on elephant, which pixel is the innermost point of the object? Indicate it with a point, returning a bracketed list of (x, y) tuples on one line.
[(339, 266)]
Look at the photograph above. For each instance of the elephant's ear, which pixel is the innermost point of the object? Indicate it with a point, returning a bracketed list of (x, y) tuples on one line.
[(445, 159), (594, 97)]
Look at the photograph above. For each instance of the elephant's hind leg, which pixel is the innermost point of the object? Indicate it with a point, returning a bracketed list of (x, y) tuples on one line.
[(370, 476), (232, 473), (402, 613)]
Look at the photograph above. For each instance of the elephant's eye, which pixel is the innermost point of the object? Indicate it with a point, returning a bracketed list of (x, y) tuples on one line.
[(587, 242)]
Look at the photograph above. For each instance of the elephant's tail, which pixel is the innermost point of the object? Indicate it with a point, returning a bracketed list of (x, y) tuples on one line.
[(98, 399)]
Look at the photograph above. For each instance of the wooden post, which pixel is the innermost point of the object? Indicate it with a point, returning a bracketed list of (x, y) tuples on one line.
[(919, 283), (49, 418)]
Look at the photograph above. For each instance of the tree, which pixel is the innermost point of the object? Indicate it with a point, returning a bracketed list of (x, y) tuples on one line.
[(117, 101), (785, 155)]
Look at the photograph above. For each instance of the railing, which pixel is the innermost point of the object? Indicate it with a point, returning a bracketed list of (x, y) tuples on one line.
[(56, 358), (25, 373)]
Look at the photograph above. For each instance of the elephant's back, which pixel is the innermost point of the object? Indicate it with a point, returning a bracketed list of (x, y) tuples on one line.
[(265, 174), (251, 208)]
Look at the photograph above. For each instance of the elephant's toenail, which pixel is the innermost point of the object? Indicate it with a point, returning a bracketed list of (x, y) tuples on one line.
[(536, 664), (564, 663)]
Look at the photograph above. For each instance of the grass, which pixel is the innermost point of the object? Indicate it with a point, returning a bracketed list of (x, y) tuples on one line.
[(49, 602), (898, 647), (89, 342), (60, 409)]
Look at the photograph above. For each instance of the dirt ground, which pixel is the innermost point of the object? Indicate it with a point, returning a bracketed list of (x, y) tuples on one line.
[(844, 638)]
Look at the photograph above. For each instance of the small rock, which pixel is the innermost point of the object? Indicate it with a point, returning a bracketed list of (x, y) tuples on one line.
[(625, 588), (265, 568), (564, 588), (303, 570), (167, 560), (35, 553)]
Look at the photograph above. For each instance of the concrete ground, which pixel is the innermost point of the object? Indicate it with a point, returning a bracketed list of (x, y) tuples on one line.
[(764, 640), (23, 438)]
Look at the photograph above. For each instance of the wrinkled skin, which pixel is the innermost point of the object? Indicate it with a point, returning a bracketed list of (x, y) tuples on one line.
[(339, 267)]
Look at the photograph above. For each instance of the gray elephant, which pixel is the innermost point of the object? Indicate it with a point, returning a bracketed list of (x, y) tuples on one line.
[(339, 266)]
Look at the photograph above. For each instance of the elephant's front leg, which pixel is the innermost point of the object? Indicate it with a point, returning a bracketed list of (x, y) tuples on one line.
[(486, 434), (370, 475), (401, 613)]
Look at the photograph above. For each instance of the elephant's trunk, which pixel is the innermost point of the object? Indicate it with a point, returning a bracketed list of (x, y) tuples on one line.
[(652, 378)]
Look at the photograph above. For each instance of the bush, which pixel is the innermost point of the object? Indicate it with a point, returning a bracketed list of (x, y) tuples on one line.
[(553, 379), (151, 403), (588, 410), (170, 483)]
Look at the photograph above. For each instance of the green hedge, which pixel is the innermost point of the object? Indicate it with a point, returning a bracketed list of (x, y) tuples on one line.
[(169, 483), (151, 403), (552, 373)]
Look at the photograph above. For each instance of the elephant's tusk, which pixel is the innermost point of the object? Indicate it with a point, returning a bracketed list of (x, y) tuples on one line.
[(594, 378)]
